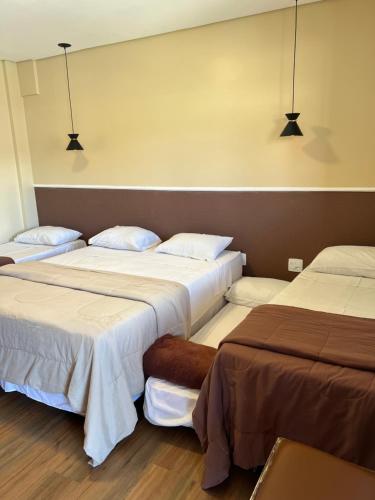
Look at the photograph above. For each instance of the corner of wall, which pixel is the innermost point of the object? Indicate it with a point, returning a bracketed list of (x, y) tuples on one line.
[(21, 150)]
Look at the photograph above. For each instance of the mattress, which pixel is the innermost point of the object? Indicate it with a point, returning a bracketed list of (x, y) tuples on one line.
[(23, 252), (206, 282), (332, 293), (170, 405)]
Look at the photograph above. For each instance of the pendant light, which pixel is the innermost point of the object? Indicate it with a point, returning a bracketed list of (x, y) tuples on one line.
[(73, 145), (292, 127)]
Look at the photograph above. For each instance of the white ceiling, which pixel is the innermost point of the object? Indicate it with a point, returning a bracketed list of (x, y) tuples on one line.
[(30, 29)]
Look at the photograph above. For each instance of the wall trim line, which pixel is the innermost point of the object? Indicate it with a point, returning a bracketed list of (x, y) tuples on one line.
[(211, 188)]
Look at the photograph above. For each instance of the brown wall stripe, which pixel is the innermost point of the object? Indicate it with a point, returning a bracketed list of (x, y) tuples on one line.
[(268, 226)]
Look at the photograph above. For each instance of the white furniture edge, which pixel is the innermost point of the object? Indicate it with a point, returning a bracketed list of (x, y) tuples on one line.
[(212, 188)]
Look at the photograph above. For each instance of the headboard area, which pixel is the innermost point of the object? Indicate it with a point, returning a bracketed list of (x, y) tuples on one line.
[(269, 226)]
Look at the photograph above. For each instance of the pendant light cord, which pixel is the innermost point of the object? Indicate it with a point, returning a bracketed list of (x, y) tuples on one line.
[(70, 99), (295, 53)]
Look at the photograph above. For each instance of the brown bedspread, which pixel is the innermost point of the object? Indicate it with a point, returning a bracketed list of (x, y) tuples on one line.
[(300, 374), (179, 361), (4, 261)]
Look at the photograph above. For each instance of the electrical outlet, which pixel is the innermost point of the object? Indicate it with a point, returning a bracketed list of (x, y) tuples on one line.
[(295, 265), (243, 256)]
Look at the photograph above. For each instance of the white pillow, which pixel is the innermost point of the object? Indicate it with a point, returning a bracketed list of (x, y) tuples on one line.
[(252, 292), (195, 246), (346, 260), (125, 238), (47, 235)]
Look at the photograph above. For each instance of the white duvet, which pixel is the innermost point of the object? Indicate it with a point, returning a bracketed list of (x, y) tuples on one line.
[(206, 281), (83, 334)]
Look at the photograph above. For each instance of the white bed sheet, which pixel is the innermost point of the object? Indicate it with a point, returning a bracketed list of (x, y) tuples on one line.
[(24, 252), (332, 293), (206, 281), (171, 405), (53, 399)]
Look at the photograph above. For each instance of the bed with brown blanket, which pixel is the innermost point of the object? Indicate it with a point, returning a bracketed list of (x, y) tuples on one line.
[(284, 371)]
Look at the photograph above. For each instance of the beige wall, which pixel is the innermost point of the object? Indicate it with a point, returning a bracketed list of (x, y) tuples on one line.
[(204, 107), (17, 202)]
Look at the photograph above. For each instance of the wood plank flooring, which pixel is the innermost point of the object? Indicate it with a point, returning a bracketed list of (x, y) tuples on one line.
[(41, 457)]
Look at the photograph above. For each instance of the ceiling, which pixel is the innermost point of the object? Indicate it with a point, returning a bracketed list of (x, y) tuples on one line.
[(30, 29)]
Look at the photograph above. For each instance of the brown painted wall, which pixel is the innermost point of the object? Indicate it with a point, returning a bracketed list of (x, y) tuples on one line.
[(268, 226)]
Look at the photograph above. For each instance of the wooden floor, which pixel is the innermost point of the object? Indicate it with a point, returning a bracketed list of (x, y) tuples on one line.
[(41, 457)]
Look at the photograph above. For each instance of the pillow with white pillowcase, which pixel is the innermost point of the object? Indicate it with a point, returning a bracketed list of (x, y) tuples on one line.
[(252, 292), (195, 245), (48, 235), (347, 260), (125, 238)]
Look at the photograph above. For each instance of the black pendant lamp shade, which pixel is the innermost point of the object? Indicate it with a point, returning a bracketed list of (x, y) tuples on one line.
[(292, 127), (73, 145)]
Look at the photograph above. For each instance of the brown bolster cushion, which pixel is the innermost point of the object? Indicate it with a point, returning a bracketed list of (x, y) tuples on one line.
[(6, 260), (179, 361)]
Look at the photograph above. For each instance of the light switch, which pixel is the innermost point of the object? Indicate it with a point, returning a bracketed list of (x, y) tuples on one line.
[(295, 265), (243, 256)]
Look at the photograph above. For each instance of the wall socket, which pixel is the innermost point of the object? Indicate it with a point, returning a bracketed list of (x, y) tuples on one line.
[(295, 265), (243, 257)]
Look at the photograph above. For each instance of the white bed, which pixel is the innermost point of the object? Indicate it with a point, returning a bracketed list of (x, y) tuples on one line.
[(25, 252), (170, 405), (167, 404), (206, 283)]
